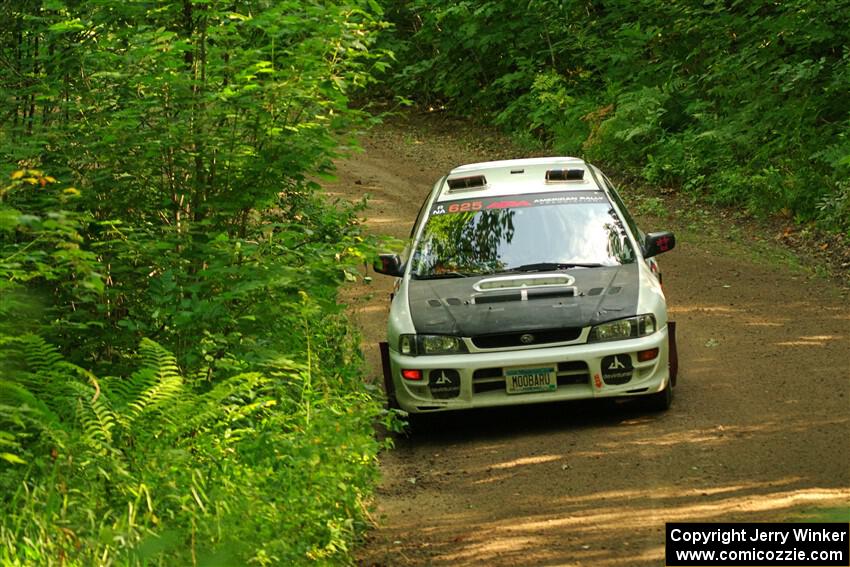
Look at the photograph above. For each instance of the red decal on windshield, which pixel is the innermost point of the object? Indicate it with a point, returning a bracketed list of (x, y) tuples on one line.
[(508, 204)]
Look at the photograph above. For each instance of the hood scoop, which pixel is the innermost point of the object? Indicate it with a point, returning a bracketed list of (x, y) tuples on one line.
[(523, 294), (524, 281), (523, 288)]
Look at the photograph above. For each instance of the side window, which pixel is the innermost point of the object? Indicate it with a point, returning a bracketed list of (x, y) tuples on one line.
[(637, 232)]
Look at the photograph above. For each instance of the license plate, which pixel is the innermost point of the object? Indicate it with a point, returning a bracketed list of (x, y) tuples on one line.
[(527, 380)]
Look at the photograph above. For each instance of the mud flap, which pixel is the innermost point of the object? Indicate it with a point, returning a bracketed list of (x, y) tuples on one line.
[(673, 352), (389, 385)]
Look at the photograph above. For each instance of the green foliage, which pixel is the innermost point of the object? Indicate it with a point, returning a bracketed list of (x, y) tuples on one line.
[(156, 468), (269, 468), (652, 206), (178, 384), (743, 103), (633, 129)]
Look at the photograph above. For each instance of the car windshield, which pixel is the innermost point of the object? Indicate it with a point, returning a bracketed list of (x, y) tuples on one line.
[(528, 233)]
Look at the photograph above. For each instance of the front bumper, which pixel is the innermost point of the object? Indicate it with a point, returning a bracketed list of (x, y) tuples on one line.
[(482, 377)]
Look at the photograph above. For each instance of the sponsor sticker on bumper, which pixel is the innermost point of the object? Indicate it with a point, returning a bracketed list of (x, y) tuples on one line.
[(444, 383), (617, 369)]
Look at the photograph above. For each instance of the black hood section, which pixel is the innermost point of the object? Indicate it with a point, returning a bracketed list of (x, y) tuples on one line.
[(453, 307)]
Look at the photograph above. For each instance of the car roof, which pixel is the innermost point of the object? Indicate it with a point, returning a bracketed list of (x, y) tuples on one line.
[(517, 177)]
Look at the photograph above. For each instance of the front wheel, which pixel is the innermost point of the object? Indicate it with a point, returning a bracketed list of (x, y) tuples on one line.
[(660, 401), (673, 362), (418, 423)]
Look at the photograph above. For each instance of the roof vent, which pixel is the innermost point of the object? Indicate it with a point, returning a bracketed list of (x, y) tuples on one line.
[(472, 182), (565, 175)]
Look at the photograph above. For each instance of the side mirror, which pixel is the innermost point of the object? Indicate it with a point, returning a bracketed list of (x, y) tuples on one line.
[(389, 264), (658, 242)]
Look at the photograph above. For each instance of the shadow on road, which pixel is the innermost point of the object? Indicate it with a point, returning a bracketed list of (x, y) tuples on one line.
[(502, 423)]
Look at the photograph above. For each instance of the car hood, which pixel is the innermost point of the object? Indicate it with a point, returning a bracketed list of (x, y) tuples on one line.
[(458, 306)]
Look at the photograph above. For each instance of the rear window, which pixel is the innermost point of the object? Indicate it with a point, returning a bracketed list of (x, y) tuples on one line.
[(500, 234)]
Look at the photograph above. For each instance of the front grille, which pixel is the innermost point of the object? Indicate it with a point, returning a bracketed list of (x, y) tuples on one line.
[(506, 340), (575, 372), (493, 379)]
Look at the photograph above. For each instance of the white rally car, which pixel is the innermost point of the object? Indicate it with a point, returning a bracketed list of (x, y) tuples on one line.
[(527, 281)]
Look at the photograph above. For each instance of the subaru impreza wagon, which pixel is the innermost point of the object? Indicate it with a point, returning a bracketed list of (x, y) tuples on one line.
[(527, 281)]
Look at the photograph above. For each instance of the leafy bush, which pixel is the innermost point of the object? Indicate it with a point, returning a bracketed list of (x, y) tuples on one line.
[(632, 129), (178, 384)]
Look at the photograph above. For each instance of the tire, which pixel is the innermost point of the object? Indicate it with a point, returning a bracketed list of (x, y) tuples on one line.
[(662, 400), (673, 362), (417, 423)]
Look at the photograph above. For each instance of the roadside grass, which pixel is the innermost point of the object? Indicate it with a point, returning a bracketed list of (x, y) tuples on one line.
[(839, 514), (762, 241)]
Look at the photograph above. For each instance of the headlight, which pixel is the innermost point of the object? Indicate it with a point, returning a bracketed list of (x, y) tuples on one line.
[(413, 345), (630, 328)]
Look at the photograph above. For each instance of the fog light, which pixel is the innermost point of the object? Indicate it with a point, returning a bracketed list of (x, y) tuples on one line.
[(409, 374), (646, 355)]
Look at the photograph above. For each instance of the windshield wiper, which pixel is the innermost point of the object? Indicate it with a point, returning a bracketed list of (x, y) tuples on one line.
[(442, 276), (551, 266)]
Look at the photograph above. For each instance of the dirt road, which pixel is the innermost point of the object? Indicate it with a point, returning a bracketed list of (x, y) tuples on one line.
[(759, 429)]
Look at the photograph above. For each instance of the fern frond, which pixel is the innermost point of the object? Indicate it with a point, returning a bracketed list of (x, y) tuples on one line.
[(167, 387), (123, 390), (39, 368), (40, 356), (21, 408), (157, 383), (158, 358), (13, 394), (94, 414), (208, 406)]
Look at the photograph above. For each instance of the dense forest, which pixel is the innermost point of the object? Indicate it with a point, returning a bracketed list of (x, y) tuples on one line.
[(743, 103), (178, 384)]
